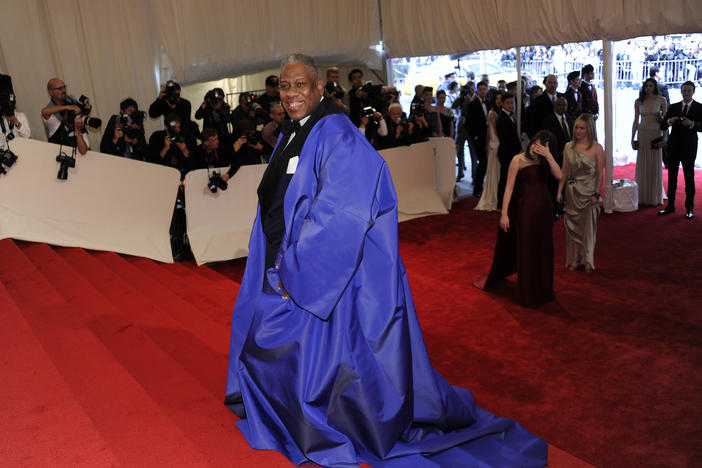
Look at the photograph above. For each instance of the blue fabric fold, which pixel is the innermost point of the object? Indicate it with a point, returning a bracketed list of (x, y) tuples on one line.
[(332, 368)]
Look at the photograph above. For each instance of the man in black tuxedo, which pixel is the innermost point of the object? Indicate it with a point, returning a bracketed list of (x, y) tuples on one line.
[(685, 118), (510, 145), (543, 105), (573, 96), (589, 92), (562, 128), (476, 123)]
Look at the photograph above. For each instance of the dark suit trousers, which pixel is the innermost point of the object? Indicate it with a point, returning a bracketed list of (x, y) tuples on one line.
[(481, 167), (688, 165)]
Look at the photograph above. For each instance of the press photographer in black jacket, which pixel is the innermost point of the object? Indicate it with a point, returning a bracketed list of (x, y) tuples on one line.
[(124, 133), (170, 146)]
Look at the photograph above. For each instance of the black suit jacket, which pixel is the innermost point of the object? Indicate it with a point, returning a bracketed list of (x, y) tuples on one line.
[(510, 145), (575, 103), (682, 142), (553, 124), (540, 109), (476, 122), (589, 104)]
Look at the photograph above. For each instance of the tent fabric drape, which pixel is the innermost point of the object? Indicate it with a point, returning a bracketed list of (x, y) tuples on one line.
[(111, 50), (454, 26)]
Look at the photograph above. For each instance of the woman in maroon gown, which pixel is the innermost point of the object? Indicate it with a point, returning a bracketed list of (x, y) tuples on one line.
[(525, 237)]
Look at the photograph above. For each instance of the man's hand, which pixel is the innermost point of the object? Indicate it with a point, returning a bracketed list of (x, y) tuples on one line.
[(13, 120), (184, 149), (118, 134), (79, 125), (225, 177)]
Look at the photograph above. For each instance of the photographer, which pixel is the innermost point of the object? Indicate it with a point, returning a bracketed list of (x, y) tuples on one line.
[(336, 93), (215, 113), (272, 129), (400, 130), (248, 147), (244, 112), (207, 155), (170, 102), (373, 126), (357, 96), (124, 133), (12, 122), (266, 99), (170, 147)]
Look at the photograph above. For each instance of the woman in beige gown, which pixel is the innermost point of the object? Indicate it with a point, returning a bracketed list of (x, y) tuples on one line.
[(649, 110), (583, 163), (488, 200)]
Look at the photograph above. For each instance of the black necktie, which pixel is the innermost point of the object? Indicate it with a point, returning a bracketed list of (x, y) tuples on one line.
[(684, 112)]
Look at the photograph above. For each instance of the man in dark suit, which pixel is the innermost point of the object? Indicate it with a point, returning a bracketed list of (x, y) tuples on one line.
[(573, 96), (588, 92), (476, 124), (543, 105), (685, 118), (558, 124), (510, 145)]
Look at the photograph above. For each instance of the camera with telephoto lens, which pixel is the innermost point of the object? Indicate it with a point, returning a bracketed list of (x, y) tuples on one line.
[(334, 90), (66, 162), (170, 90), (250, 99), (370, 113), (7, 103), (173, 134), (85, 109), (216, 182), (8, 158)]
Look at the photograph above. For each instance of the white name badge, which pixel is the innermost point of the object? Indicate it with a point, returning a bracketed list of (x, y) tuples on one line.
[(292, 164)]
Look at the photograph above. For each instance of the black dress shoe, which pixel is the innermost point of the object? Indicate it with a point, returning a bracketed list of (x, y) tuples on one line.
[(689, 214), (666, 211)]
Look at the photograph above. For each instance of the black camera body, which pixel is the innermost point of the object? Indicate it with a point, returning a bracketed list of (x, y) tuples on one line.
[(173, 134), (417, 109), (85, 109), (213, 97), (216, 182), (171, 96), (334, 90), (66, 162), (136, 117), (251, 137), (8, 158), (370, 113)]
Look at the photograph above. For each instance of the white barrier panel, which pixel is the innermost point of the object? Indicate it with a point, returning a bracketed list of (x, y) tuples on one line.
[(219, 224), (445, 164), (107, 202), (414, 175)]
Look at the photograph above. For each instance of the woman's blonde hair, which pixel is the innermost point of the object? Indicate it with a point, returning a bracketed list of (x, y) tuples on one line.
[(589, 123)]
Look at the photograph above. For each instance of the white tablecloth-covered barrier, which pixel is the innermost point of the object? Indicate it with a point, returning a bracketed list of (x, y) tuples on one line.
[(219, 224), (413, 171), (107, 203), (445, 168), (625, 195)]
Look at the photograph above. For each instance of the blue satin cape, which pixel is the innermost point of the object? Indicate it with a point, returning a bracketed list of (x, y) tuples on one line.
[(337, 373)]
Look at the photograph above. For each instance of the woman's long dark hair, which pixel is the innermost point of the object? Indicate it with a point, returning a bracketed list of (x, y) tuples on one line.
[(494, 100), (544, 137), (642, 93)]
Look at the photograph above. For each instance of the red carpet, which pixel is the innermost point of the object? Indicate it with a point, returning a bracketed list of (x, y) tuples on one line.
[(115, 360)]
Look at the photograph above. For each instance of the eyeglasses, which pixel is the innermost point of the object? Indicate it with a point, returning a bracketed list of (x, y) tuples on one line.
[(60, 88)]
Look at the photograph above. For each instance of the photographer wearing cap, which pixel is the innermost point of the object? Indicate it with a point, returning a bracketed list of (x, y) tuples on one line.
[(12, 122), (170, 146), (124, 132)]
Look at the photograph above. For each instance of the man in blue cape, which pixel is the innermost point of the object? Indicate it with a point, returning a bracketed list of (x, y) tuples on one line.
[(327, 361)]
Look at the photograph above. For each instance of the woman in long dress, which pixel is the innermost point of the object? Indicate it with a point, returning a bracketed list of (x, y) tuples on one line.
[(649, 110), (525, 237), (431, 113), (583, 161), (488, 200)]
